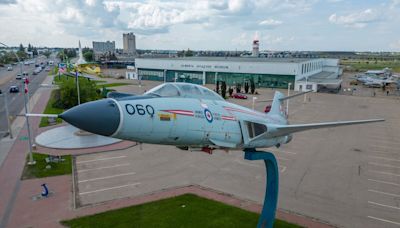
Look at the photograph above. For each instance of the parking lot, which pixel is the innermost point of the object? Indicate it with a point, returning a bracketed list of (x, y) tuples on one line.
[(347, 176)]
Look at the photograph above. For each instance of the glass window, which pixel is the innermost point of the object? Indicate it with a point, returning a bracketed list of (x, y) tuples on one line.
[(165, 90), (208, 94), (189, 89)]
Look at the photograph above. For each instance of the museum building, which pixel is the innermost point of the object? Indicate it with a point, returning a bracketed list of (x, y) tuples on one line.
[(264, 72)]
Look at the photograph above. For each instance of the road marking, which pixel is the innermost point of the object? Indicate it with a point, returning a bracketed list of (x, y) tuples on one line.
[(281, 158), (384, 165), (383, 147), (384, 158), (383, 152), (106, 189), (384, 220), (387, 142), (105, 167), (384, 205), (384, 182), (383, 193), (100, 159), (283, 168), (385, 173), (107, 177)]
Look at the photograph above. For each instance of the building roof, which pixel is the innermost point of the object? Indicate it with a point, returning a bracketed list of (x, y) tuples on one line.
[(235, 59), (323, 78)]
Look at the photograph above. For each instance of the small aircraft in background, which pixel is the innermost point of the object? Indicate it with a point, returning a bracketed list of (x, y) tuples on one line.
[(190, 117)]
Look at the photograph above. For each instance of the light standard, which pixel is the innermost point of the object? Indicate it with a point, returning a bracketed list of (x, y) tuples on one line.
[(287, 101), (254, 101), (31, 161), (306, 89)]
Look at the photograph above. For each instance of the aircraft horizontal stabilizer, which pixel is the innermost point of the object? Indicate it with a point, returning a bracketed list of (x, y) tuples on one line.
[(282, 130), (295, 95)]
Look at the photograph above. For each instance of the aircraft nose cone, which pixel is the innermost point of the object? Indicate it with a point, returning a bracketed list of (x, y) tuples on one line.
[(100, 117)]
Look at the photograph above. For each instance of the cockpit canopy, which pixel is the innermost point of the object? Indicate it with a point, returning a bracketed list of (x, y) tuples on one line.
[(187, 90)]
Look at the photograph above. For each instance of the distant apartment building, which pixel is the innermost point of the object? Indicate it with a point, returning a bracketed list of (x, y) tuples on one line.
[(102, 49), (129, 43)]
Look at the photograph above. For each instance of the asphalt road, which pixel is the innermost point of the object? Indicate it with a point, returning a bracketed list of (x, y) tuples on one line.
[(16, 100)]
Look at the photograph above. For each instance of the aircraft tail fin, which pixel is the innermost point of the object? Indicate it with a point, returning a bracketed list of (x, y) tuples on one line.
[(277, 102)]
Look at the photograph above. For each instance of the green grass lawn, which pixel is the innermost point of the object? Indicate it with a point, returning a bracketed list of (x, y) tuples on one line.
[(364, 65), (107, 85), (182, 211), (39, 169), (50, 110)]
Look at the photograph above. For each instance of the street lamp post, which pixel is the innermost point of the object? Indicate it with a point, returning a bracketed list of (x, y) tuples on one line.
[(254, 101), (305, 95), (31, 161), (287, 101)]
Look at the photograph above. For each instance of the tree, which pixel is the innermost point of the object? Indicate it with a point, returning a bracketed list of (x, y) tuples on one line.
[(35, 52), (188, 53), (21, 47), (246, 87), (238, 88), (47, 54), (252, 86), (88, 55), (223, 89), (68, 95), (29, 47), (230, 90)]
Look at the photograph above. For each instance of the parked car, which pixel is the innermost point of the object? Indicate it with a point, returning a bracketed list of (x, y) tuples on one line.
[(9, 68), (267, 109), (18, 77), (25, 74), (239, 96), (14, 89)]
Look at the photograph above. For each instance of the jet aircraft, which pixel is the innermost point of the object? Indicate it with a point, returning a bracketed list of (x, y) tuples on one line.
[(190, 117)]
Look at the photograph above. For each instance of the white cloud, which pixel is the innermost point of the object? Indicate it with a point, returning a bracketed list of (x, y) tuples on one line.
[(270, 23), (356, 20), (395, 45), (395, 3)]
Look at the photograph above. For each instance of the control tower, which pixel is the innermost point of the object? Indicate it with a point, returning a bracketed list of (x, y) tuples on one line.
[(256, 46)]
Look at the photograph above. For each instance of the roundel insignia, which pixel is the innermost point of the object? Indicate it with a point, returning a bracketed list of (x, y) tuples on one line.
[(208, 115)]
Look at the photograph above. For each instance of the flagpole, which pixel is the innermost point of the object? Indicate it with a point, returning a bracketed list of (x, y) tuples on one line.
[(31, 161), (77, 87)]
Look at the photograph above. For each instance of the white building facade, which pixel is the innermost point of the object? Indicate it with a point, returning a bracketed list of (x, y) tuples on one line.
[(264, 72)]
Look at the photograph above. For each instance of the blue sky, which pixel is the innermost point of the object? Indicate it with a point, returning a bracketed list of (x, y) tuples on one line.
[(316, 25)]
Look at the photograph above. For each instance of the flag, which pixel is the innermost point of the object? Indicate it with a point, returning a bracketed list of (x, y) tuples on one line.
[(26, 87)]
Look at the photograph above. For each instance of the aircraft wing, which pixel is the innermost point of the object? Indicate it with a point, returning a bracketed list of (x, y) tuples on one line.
[(282, 130)]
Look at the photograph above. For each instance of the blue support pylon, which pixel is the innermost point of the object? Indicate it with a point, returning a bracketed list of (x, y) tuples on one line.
[(267, 216)]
